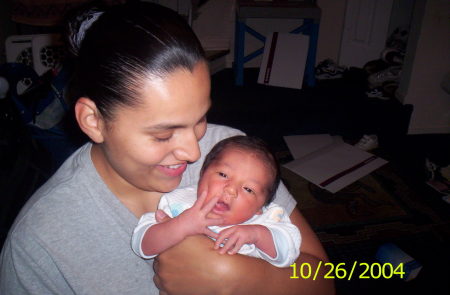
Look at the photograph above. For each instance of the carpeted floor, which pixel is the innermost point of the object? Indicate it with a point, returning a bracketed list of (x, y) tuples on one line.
[(379, 208), (375, 198)]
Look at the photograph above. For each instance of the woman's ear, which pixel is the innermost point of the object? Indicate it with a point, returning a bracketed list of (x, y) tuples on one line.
[(89, 119)]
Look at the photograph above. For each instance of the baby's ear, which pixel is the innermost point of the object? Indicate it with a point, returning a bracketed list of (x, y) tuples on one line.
[(259, 212)]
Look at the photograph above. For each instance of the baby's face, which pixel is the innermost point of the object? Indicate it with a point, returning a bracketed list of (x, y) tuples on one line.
[(241, 180)]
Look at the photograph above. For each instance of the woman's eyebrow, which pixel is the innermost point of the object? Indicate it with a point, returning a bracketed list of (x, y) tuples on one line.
[(169, 126), (164, 126)]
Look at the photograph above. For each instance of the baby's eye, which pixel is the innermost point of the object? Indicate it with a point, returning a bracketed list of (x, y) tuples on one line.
[(248, 190), (221, 174)]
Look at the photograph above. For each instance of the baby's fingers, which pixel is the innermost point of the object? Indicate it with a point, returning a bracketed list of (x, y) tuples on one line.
[(211, 234), (211, 203), (237, 246), (229, 245), (219, 241), (200, 200)]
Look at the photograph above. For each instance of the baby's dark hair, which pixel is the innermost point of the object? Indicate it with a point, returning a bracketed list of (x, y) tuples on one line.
[(251, 144)]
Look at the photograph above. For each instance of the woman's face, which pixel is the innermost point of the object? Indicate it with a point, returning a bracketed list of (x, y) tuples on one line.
[(148, 146), (240, 179)]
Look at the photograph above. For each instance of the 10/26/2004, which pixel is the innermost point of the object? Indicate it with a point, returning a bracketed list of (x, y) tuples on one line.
[(347, 271)]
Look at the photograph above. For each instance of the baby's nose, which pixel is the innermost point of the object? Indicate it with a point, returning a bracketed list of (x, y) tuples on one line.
[(230, 191)]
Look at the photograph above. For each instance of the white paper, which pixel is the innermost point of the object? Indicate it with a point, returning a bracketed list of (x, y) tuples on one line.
[(289, 60), (328, 161), (302, 145)]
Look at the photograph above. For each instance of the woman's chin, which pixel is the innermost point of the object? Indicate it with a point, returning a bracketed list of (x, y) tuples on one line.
[(169, 187), (165, 186)]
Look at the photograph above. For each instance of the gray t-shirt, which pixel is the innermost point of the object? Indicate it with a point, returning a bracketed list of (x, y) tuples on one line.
[(73, 235)]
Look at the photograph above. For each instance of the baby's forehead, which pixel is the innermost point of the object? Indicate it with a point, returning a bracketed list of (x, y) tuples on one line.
[(247, 152)]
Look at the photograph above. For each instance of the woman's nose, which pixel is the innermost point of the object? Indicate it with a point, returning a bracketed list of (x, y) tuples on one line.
[(188, 149)]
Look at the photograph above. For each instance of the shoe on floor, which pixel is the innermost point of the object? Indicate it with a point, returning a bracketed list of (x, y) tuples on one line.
[(377, 93), (392, 56), (375, 66), (367, 142), (328, 69), (431, 168), (389, 88), (387, 75)]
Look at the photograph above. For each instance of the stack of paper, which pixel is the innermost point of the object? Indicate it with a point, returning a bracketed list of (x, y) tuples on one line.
[(328, 162)]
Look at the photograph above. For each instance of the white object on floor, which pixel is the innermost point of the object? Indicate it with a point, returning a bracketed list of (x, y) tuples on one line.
[(284, 60), (376, 93), (331, 166), (367, 142), (300, 146), (431, 168), (390, 253), (389, 74), (328, 69)]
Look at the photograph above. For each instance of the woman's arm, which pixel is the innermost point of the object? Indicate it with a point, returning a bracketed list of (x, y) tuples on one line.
[(193, 267)]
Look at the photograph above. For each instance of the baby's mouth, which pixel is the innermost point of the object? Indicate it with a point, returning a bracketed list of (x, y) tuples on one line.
[(220, 207)]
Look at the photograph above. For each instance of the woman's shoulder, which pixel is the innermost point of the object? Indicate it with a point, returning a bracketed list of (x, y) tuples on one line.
[(61, 193), (215, 133), (222, 129)]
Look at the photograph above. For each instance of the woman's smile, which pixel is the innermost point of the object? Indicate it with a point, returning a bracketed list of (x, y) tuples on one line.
[(173, 170)]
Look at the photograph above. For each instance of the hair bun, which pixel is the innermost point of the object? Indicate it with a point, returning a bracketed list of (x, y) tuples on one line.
[(78, 25)]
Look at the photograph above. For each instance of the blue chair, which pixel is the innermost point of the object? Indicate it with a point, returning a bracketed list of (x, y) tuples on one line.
[(306, 10), (42, 93)]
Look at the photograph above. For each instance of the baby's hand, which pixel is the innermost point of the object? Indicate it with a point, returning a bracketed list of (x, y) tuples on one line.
[(194, 220), (233, 238)]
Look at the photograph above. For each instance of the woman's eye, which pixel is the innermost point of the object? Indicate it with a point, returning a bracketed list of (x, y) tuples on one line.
[(248, 190), (162, 139), (161, 136), (221, 174)]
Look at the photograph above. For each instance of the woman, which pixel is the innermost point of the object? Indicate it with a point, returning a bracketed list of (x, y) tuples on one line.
[(142, 93)]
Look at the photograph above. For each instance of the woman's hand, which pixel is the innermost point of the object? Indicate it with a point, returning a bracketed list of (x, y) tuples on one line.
[(194, 267)]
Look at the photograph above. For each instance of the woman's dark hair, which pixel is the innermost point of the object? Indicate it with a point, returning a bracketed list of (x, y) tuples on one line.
[(123, 45), (251, 144)]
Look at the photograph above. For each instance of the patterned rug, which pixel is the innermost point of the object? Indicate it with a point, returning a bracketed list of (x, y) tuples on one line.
[(374, 199)]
